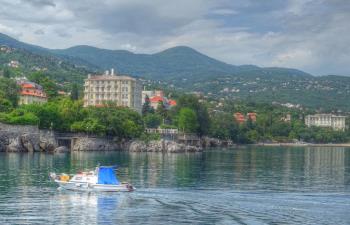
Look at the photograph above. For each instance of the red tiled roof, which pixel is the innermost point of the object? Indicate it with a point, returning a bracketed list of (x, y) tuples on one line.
[(156, 99), (31, 93), (32, 89), (172, 102), (239, 117), (27, 85)]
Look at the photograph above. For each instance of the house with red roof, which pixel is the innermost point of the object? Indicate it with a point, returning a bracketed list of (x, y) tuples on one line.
[(157, 96), (155, 101), (239, 117), (31, 93)]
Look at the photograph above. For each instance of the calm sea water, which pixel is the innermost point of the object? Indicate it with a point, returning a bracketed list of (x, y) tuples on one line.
[(236, 186)]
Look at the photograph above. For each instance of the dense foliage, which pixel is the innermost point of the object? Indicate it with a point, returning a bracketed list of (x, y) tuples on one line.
[(270, 125), (215, 119), (66, 115), (8, 94)]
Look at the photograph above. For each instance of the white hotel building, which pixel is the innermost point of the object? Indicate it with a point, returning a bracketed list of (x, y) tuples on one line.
[(326, 120), (119, 89)]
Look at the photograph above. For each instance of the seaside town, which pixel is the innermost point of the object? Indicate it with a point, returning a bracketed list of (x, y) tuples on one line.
[(174, 112), (186, 122), (128, 92)]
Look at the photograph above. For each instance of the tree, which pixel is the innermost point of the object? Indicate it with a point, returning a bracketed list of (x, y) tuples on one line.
[(119, 122), (47, 113), (152, 120), (75, 92), (5, 105), (9, 90), (281, 129), (19, 117), (70, 111), (223, 126), (161, 110), (89, 125), (147, 108), (191, 101), (188, 121)]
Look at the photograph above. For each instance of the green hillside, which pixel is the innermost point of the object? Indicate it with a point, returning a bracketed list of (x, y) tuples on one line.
[(171, 64), (185, 69), (29, 62)]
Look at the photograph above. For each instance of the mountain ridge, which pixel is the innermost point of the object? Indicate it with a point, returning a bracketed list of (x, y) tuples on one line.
[(172, 63), (184, 69)]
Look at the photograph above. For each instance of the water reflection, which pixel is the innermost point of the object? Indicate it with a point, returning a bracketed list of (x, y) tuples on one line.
[(219, 186)]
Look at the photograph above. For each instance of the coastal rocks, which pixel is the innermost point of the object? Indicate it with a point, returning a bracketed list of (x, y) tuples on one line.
[(4, 142), (22, 143), (18, 138), (61, 149), (46, 146), (27, 144), (94, 144), (208, 142), (14, 145), (161, 146)]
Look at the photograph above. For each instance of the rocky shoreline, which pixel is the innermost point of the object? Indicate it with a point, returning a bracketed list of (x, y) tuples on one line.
[(16, 138)]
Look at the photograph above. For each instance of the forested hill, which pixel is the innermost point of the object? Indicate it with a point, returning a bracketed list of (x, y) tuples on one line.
[(171, 64), (174, 63), (185, 69), (29, 62)]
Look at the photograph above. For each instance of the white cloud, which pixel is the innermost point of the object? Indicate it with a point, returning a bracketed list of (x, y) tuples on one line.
[(305, 34), (9, 31)]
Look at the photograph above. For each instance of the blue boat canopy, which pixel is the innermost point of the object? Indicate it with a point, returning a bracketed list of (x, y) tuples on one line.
[(106, 175)]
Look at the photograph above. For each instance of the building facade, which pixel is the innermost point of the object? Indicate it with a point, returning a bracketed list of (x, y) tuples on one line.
[(31, 93), (99, 90), (326, 120)]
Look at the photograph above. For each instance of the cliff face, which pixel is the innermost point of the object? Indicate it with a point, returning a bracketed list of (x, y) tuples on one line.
[(15, 138)]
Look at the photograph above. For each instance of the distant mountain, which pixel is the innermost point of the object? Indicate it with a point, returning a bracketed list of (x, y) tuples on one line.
[(13, 43), (173, 63), (32, 58), (186, 69)]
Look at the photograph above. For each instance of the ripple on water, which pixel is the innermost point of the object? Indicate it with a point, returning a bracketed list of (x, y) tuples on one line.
[(238, 187)]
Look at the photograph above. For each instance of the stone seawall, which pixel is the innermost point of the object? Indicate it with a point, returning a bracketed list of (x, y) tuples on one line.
[(95, 144), (17, 138)]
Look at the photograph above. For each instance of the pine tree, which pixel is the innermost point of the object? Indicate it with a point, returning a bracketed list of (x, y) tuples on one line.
[(147, 108), (161, 110)]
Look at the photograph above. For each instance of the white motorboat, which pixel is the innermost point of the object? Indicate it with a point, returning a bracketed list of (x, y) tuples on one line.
[(103, 178)]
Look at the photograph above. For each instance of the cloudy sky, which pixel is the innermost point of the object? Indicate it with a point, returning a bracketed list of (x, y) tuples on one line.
[(312, 35)]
